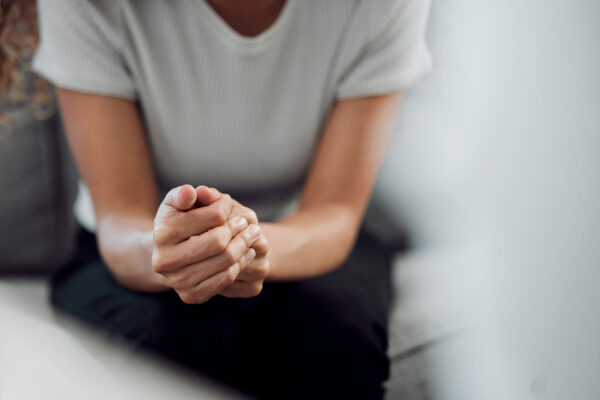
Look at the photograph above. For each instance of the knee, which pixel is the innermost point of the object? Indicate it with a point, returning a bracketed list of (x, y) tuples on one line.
[(342, 315), (336, 329), (91, 294), (332, 351)]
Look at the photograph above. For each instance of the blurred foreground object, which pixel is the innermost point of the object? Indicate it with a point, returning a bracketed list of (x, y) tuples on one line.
[(509, 180), (47, 356)]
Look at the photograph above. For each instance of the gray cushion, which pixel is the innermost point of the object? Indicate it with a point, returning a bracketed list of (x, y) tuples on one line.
[(38, 181)]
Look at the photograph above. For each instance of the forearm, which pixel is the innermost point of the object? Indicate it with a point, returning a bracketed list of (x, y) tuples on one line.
[(126, 244), (310, 242)]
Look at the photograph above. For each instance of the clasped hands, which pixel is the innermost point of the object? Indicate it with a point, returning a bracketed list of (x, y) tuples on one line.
[(206, 243)]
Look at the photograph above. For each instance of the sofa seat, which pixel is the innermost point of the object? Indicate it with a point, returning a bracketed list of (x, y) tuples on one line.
[(48, 355)]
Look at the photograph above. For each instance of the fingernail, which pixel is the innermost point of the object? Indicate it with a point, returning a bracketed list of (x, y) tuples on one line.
[(239, 223), (254, 231), (249, 255)]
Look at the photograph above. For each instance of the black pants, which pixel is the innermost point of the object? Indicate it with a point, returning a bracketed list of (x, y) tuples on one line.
[(325, 337)]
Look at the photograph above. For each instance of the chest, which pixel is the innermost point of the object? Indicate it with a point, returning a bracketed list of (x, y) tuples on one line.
[(226, 110)]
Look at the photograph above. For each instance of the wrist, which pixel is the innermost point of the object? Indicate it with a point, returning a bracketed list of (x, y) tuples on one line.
[(285, 243), (130, 262), (148, 278)]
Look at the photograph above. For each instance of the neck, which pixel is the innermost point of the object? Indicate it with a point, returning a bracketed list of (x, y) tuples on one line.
[(249, 18)]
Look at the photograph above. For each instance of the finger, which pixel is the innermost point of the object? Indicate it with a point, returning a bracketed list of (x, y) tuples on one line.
[(261, 246), (181, 198), (200, 220), (249, 235), (206, 196), (245, 212), (177, 227), (239, 245), (223, 245), (196, 249), (258, 269), (194, 274), (243, 289), (211, 286)]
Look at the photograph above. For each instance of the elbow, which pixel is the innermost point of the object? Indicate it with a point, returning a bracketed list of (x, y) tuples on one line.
[(343, 242)]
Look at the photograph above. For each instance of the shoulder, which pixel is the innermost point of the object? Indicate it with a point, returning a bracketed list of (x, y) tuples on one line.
[(373, 15), (360, 21), (105, 14), (71, 8), (84, 17)]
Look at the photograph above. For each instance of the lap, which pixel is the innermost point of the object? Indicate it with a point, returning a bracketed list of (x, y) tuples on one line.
[(285, 327), (326, 330)]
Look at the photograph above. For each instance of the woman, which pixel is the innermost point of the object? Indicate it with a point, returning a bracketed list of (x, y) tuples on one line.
[(259, 103)]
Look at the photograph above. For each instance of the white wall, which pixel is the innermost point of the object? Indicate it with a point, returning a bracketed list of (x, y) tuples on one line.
[(499, 154)]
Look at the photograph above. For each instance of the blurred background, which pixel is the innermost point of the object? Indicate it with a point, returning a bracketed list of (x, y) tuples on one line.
[(497, 170), (495, 176)]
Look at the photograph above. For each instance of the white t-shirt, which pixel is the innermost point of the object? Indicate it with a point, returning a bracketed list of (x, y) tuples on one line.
[(242, 114)]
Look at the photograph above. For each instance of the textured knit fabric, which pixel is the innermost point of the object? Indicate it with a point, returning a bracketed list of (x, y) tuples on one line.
[(242, 114)]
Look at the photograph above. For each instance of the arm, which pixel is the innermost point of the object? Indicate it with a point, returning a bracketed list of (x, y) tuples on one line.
[(191, 238), (106, 137), (319, 236)]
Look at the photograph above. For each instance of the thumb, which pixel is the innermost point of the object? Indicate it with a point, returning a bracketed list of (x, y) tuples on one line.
[(206, 196), (182, 198)]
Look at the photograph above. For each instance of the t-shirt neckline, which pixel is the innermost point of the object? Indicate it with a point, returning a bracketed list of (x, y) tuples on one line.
[(216, 20)]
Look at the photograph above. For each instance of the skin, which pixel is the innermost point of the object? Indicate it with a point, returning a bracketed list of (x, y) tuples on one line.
[(248, 18), (200, 242)]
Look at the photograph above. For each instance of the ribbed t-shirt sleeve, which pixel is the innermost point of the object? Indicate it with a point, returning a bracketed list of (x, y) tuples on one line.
[(395, 56), (78, 51)]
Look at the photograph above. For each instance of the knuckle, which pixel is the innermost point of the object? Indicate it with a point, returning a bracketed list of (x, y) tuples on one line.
[(261, 246), (230, 276), (219, 241), (162, 234), (259, 270), (256, 288), (222, 242), (186, 297), (252, 216), (263, 272), (227, 200), (229, 255), (173, 191), (178, 280), (161, 263), (188, 252), (156, 265), (260, 249), (263, 269), (220, 215), (252, 289), (202, 299), (171, 194)]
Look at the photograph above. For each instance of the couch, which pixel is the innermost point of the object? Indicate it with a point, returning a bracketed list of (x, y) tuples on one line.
[(45, 354)]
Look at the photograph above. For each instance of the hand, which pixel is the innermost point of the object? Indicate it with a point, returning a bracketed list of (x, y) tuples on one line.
[(200, 250), (249, 282)]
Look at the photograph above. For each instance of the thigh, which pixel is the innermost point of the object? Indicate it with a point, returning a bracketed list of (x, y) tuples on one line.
[(326, 336), (203, 337)]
